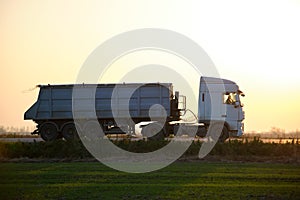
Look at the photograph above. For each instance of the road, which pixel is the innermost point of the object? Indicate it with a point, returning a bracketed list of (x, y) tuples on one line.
[(38, 139), (24, 139)]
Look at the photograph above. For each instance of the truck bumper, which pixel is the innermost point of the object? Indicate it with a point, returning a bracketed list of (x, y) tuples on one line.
[(240, 129)]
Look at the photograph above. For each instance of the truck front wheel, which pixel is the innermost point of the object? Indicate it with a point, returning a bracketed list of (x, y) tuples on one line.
[(224, 135), (48, 132), (214, 132)]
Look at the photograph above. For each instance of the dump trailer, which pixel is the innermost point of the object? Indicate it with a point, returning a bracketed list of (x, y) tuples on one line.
[(119, 107)]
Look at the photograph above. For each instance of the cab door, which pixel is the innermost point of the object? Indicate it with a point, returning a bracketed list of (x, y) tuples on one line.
[(230, 100)]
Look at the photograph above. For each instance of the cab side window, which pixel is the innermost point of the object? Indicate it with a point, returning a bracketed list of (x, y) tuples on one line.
[(229, 98)]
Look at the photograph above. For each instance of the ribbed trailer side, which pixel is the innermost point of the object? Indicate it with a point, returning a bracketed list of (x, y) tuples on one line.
[(55, 101), (113, 101)]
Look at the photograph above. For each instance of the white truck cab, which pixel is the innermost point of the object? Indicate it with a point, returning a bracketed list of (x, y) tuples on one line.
[(220, 101)]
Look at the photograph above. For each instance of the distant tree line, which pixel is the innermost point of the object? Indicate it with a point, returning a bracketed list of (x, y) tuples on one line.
[(274, 132), (14, 129)]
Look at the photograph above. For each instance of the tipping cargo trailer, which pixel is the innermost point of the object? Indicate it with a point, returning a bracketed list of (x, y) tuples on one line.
[(155, 103)]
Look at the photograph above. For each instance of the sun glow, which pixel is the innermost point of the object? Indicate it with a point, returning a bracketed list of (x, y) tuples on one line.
[(254, 43)]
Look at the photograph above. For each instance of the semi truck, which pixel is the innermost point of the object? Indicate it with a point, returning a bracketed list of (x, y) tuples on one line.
[(155, 105)]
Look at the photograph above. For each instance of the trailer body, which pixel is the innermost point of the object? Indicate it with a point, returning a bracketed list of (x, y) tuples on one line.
[(54, 105), (55, 101)]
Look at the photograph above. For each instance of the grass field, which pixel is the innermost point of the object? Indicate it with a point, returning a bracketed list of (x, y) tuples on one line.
[(181, 180)]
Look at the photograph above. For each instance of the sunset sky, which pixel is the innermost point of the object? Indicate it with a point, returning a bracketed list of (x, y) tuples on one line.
[(254, 43)]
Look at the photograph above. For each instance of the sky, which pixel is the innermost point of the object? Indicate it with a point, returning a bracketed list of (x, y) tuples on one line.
[(254, 43)]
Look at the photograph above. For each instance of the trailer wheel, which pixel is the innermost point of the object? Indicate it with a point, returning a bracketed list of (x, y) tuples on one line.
[(91, 130), (49, 132), (154, 131), (69, 132)]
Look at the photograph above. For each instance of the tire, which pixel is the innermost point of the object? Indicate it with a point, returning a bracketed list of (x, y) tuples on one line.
[(49, 132), (218, 132), (224, 135), (154, 131), (69, 132), (91, 130)]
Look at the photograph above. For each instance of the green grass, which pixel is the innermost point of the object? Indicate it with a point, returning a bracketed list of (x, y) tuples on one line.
[(181, 180)]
